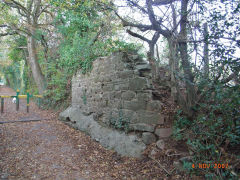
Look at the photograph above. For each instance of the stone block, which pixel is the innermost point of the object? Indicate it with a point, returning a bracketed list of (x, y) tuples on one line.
[(143, 67), (117, 94), (148, 117), (146, 95), (163, 132), (125, 74), (134, 105), (128, 95), (115, 104), (96, 90), (154, 106), (148, 138), (101, 78), (107, 87), (141, 127), (121, 86), (160, 144), (126, 145), (107, 78), (134, 57), (103, 103), (119, 67), (138, 83), (106, 95)]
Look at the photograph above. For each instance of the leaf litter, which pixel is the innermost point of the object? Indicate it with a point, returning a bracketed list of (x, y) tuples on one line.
[(50, 149)]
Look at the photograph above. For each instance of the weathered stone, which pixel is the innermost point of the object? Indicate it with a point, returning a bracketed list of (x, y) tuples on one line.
[(115, 104), (146, 74), (107, 78), (185, 159), (123, 116), (154, 106), (142, 127), (178, 165), (163, 132), (138, 84), (146, 96), (143, 67), (134, 105), (4, 176), (119, 67), (128, 95), (134, 57), (160, 144), (148, 138), (126, 145), (117, 94), (153, 152), (120, 86), (148, 117), (125, 74), (107, 87), (127, 113)]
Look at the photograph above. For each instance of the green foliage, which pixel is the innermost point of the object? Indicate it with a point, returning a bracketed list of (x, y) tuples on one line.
[(15, 69), (84, 38), (84, 97), (214, 131), (120, 122)]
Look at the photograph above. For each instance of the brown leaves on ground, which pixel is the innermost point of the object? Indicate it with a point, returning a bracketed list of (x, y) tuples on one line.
[(50, 149)]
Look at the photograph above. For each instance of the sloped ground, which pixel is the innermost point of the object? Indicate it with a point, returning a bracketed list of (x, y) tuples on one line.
[(49, 149)]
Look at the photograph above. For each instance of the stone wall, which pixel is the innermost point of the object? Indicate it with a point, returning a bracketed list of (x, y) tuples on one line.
[(117, 98)]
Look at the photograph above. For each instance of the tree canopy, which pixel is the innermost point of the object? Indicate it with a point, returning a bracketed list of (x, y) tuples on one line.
[(50, 40)]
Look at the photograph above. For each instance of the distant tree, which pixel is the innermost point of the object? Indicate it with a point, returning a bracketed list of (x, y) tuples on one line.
[(26, 18), (169, 19)]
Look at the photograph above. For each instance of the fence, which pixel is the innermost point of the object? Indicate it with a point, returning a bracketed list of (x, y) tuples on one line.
[(18, 97)]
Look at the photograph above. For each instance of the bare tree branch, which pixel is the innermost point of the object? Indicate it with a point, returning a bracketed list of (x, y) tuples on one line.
[(7, 34), (3, 25), (162, 2), (16, 5), (230, 77), (138, 6), (142, 27), (138, 36), (151, 14), (155, 37)]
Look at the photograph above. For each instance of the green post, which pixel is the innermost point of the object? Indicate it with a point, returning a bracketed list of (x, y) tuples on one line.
[(2, 104), (38, 102), (17, 100), (28, 101)]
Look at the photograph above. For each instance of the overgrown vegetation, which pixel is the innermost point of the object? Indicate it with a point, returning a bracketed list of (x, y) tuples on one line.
[(203, 61), (120, 121), (213, 135)]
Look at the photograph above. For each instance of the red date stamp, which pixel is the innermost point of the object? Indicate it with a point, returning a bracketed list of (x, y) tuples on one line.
[(206, 165)]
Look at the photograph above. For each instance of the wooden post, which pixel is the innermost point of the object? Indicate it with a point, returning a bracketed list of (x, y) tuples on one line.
[(2, 104), (17, 100), (28, 101)]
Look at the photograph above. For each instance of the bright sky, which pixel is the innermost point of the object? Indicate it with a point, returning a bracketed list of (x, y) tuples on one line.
[(128, 13)]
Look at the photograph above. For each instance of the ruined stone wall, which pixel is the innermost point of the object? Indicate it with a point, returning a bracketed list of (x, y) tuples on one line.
[(117, 94)]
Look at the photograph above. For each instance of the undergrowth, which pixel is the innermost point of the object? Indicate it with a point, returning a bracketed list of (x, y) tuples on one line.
[(213, 134)]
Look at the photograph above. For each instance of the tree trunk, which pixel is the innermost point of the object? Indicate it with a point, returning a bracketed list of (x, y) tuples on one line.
[(188, 75), (7, 81), (173, 63), (152, 61), (33, 62), (206, 59)]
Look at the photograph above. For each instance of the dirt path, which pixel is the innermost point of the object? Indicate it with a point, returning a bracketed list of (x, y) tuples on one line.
[(51, 150)]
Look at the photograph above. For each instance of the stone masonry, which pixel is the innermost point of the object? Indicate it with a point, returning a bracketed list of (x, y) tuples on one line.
[(114, 104)]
